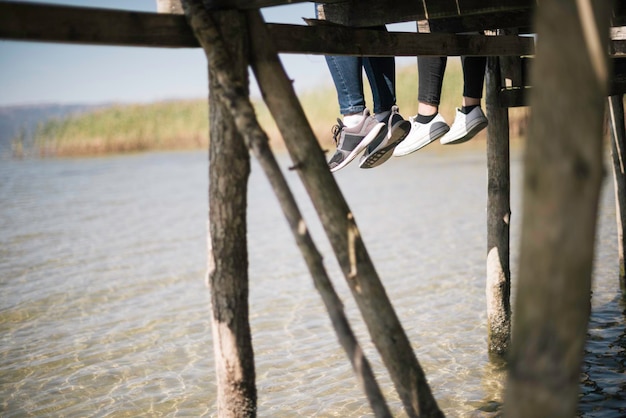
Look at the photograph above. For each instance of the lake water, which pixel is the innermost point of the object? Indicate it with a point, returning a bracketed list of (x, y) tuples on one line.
[(104, 311)]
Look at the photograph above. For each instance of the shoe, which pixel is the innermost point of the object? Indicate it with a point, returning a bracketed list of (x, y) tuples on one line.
[(391, 134), (421, 135), (465, 126), (352, 141)]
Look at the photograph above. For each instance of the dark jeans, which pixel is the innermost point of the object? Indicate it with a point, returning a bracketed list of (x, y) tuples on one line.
[(430, 72)]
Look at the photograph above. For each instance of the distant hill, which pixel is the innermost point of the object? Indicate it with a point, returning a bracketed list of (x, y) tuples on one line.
[(25, 118)]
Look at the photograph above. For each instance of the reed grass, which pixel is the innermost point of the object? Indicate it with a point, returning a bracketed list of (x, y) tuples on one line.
[(173, 125)]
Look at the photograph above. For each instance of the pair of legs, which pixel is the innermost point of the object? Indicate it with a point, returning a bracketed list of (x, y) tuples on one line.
[(347, 74), (428, 125), (431, 71), (359, 131)]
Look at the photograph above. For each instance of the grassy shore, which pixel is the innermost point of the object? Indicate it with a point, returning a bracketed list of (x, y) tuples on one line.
[(175, 125)]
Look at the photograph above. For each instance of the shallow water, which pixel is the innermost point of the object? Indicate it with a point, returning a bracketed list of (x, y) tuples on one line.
[(104, 309)]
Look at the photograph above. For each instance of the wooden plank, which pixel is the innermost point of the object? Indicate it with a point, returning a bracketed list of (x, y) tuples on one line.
[(618, 144), (517, 96), (618, 48), (33, 22), (339, 40), (52, 23), (254, 4), (363, 13), (372, 13), (521, 20)]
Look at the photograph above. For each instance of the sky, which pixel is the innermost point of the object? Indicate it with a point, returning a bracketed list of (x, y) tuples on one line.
[(46, 73)]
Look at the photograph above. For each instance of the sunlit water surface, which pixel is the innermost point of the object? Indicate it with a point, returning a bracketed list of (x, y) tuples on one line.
[(104, 309)]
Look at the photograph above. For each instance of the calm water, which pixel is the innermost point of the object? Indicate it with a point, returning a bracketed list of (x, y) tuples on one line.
[(104, 310)]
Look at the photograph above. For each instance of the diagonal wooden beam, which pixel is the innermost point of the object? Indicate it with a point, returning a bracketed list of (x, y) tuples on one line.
[(338, 221)]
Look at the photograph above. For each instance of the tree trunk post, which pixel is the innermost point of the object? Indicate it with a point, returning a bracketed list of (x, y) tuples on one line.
[(618, 153), (227, 275), (229, 169), (562, 178), (498, 283)]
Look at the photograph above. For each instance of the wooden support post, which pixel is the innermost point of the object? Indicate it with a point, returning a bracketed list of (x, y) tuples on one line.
[(229, 169), (563, 173), (618, 152), (234, 96), (382, 322), (498, 287)]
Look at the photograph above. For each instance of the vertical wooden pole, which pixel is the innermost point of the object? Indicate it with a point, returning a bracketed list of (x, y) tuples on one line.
[(618, 153), (229, 168), (562, 177), (498, 286)]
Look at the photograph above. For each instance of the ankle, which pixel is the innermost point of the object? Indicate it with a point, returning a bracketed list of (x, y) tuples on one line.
[(467, 109), (424, 119), (352, 120)]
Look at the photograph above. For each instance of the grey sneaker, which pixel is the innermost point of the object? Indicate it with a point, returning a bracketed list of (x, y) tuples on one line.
[(421, 135), (391, 134), (465, 126), (352, 141)]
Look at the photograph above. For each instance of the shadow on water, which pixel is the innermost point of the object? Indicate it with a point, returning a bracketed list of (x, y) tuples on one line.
[(603, 379), (603, 376)]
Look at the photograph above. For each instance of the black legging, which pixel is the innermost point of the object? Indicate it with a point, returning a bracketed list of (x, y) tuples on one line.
[(430, 72)]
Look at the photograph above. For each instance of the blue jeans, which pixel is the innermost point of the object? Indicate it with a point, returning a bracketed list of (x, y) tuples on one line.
[(347, 74)]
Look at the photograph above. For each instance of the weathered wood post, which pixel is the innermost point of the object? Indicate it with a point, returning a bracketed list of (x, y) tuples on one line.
[(562, 178), (229, 169), (498, 281), (618, 153)]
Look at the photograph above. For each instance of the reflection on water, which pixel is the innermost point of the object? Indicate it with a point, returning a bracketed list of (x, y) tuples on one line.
[(104, 311)]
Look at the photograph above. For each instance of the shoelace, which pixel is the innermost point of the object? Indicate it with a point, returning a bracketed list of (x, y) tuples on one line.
[(336, 131)]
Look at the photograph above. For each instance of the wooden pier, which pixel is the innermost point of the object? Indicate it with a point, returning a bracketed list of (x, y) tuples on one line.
[(574, 67)]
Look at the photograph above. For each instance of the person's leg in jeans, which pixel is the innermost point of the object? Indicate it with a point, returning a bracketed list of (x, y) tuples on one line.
[(381, 73), (346, 72), (358, 128)]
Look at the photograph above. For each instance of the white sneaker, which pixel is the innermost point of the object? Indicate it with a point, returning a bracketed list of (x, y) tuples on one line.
[(421, 135), (465, 126)]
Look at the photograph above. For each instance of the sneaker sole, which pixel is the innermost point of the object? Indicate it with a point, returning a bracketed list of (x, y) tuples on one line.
[(381, 155), (359, 148), (471, 133), (433, 136)]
